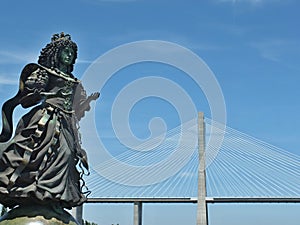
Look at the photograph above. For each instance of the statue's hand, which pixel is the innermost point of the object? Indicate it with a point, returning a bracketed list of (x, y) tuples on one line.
[(94, 96), (87, 102), (85, 106)]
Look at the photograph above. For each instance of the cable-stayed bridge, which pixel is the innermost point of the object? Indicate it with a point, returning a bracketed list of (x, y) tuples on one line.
[(243, 169)]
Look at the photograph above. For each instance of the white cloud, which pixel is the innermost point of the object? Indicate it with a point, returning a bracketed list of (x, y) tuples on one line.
[(162, 35), (110, 1), (84, 61), (277, 50), (16, 57), (121, 1), (253, 2), (7, 80), (238, 1)]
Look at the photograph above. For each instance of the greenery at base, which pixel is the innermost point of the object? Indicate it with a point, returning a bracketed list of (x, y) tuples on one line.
[(84, 222)]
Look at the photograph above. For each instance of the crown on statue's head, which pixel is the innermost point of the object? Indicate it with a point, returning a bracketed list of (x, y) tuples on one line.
[(60, 37)]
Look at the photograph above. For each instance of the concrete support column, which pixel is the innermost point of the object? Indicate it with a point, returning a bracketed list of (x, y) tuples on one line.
[(202, 217), (77, 213), (138, 213)]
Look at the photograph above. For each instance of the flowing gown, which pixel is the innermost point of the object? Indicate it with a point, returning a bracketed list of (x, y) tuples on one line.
[(40, 164)]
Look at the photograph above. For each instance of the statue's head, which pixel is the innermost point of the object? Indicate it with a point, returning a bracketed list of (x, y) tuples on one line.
[(52, 55)]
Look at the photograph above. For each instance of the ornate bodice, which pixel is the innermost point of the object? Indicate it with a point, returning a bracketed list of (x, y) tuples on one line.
[(58, 89), (61, 92)]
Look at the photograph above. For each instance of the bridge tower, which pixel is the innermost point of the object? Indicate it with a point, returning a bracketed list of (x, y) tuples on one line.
[(202, 216)]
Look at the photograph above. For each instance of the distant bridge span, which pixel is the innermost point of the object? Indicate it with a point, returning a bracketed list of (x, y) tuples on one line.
[(194, 200), (245, 170)]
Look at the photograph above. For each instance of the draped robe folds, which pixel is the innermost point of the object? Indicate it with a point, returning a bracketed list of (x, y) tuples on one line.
[(39, 164)]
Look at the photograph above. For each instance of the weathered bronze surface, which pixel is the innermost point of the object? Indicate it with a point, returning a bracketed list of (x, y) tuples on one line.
[(38, 165)]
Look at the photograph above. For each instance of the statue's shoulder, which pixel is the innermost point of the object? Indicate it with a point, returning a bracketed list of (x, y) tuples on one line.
[(27, 96), (27, 71)]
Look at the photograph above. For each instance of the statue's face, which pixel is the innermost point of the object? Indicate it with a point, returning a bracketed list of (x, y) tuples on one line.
[(67, 56)]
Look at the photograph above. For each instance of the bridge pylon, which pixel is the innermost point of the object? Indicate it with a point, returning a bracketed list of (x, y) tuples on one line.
[(202, 216)]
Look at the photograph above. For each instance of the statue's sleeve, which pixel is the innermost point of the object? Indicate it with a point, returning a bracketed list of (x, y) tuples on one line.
[(80, 102), (37, 80), (35, 83)]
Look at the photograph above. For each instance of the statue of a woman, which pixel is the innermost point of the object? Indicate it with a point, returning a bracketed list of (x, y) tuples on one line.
[(39, 164)]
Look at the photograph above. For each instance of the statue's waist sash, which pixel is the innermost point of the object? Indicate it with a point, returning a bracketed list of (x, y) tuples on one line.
[(64, 104)]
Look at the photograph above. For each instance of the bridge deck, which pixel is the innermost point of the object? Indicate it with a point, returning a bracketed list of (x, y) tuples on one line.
[(194, 200)]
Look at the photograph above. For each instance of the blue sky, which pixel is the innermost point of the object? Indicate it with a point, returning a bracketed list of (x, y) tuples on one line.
[(252, 47)]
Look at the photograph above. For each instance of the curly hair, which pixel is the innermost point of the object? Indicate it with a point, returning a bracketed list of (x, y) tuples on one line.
[(50, 54)]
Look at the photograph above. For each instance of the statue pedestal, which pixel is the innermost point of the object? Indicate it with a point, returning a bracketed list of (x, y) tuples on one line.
[(37, 215)]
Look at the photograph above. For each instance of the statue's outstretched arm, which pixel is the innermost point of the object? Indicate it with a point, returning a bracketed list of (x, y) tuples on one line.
[(82, 101)]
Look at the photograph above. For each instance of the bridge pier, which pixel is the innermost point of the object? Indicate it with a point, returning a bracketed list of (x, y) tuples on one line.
[(77, 213), (138, 213)]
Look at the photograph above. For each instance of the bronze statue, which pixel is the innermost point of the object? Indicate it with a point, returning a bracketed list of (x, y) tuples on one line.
[(38, 165)]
